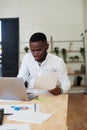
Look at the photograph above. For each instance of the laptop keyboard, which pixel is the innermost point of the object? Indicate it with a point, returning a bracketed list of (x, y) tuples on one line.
[(32, 96)]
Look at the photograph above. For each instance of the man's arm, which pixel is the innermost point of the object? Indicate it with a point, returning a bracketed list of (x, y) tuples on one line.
[(63, 79), (23, 71)]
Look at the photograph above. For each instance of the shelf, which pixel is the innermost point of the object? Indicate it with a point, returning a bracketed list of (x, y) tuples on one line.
[(77, 89), (67, 51), (73, 51), (75, 62), (74, 74), (73, 86)]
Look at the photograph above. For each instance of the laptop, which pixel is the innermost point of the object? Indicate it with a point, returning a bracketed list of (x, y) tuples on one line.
[(13, 88)]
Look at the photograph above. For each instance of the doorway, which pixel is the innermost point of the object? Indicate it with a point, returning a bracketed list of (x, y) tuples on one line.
[(10, 46)]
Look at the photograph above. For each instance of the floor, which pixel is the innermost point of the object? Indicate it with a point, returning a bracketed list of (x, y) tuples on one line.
[(77, 113)]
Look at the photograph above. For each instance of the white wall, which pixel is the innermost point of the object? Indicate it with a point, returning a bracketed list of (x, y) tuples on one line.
[(61, 19), (64, 20), (85, 30)]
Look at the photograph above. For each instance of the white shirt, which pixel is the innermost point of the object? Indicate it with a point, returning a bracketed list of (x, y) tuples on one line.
[(30, 70)]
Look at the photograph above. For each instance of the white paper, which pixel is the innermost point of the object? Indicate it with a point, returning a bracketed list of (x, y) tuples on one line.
[(15, 127), (46, 82), (5, 100), (37, 91), (11, 109), (30, 117)]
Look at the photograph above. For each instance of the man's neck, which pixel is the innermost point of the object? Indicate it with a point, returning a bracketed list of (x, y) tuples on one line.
[(43, 58)]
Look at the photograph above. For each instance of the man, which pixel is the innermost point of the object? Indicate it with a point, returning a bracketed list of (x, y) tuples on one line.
[(39, 61)]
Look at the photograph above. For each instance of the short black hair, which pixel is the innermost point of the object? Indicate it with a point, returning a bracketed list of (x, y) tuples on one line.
[(38, 37)]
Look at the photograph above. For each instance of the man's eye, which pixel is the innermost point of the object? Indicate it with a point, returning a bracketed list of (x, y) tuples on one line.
[(39, 50), (35, 51)]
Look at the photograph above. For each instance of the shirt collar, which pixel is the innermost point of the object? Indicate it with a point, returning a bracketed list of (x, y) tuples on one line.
[(43, 61)]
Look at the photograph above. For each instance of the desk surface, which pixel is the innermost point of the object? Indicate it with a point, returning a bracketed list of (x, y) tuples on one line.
[(56, 105)]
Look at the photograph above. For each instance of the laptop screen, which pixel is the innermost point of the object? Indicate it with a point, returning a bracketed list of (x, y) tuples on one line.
[(12, 88)]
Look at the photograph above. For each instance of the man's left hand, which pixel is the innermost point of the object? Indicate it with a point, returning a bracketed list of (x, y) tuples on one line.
[(55, 91)]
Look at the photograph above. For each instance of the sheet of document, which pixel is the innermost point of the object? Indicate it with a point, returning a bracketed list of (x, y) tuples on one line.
[(30, 117), (37, 91), (46, 82), (5, 100), (15, 127), (11, 109)]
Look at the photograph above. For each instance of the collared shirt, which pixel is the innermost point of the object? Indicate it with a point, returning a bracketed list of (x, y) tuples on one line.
[(30, 69)]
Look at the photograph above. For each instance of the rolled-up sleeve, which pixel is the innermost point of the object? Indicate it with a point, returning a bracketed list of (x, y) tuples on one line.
[(63, 76), (23, 71)]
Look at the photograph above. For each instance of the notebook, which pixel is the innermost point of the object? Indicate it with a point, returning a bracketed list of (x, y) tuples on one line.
[(13, 88)]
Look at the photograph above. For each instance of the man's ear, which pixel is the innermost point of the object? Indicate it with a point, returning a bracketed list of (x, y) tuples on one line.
[(47, 46)]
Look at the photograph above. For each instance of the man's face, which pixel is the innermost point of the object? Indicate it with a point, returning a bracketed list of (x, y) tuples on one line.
[(38, 50)]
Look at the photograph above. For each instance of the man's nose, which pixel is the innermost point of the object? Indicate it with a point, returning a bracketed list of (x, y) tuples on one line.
[(35, 54)]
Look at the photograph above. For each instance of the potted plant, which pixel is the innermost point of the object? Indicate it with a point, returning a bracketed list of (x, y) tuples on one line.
[(64, 53), (26, 49), (56, 50), (71, 58), (76, 58), (79, 79), (82, 51)]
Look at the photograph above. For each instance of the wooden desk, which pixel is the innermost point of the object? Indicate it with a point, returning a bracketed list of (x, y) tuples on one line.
[(57, 106)]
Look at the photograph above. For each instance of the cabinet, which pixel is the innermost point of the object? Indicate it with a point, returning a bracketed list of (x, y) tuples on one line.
[(74, 56)]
